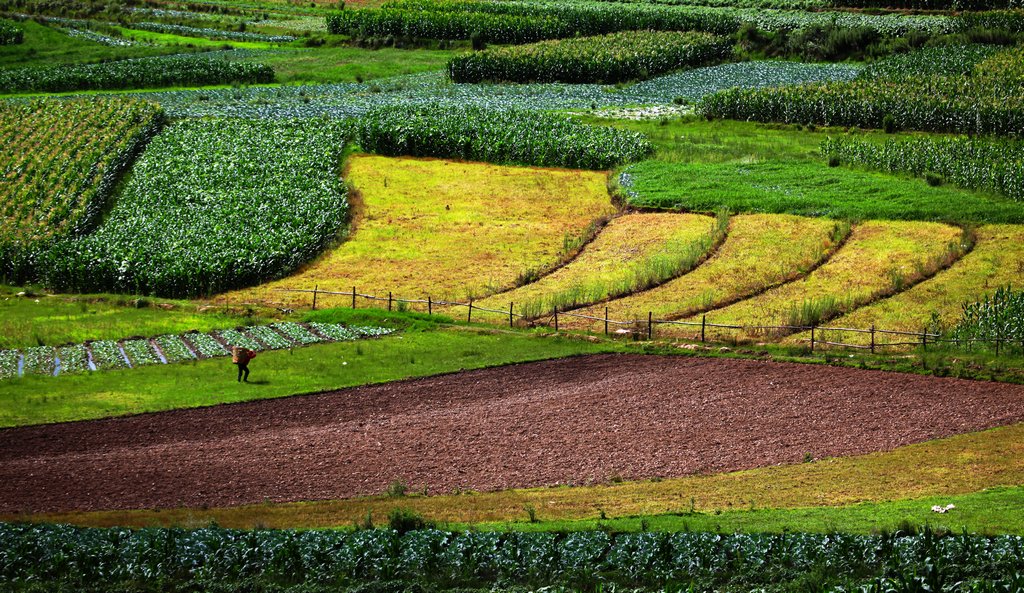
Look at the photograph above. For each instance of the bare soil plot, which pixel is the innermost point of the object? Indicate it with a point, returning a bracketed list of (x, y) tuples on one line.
[(565, 421)]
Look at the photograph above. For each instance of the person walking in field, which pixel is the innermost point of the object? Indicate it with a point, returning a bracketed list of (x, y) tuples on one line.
[(241, 357)]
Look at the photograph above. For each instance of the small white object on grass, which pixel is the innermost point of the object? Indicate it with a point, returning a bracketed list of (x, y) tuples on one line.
[(943, 509)]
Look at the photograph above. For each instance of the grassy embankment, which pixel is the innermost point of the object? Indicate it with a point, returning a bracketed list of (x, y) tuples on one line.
[(450, 230), (759, 252), (46, 46), (39, 319), (997, 260), (878, 259), (860, 494)]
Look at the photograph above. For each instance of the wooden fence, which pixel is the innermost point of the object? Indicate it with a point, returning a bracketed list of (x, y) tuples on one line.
[(818, 333)]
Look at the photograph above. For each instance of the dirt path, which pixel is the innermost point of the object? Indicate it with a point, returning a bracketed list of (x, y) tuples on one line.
[(567, 421)]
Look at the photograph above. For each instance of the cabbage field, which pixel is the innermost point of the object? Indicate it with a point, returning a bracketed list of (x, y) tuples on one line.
[(106, 355), (430, 560)]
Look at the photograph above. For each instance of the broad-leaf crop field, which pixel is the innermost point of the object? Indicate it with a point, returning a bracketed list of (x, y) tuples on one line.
[(652, 190)]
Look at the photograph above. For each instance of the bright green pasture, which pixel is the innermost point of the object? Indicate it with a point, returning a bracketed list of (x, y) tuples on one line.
[(40, 400), (170, 39), (749, 167), (992, 511), (28, 321), (350, 64), (46, 46)]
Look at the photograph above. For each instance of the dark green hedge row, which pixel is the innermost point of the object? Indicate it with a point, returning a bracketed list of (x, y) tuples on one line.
[(10, 33), (131, 74), (617, 57), (497, 136)]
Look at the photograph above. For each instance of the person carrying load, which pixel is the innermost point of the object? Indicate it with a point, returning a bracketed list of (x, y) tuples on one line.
[(241, 357)]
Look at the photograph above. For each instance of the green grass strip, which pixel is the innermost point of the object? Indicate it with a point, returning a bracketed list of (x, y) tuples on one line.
[(40, 400)]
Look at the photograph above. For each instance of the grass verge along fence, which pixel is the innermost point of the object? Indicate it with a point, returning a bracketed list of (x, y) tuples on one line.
[(644, 328)]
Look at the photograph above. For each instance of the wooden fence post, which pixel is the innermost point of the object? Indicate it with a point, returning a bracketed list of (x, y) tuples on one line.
[(510, 323), (812, 338), (469, 316), (556, 320), (872, 338), (315, 289), (703, 326), (650, 325), (430, 305), (389, 301), (606, 321), (353, 297), (924, 340)]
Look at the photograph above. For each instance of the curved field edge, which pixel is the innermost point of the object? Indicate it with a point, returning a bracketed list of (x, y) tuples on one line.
[(879, 259), (447, 229), (956, 466), (760, 251), (630, 252), (996, 260)]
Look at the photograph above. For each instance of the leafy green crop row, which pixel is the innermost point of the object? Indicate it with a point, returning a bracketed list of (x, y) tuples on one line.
[(705, 561), (135, 73), (169, 349), (968, 162), (213, 205), (59, 164), (497, 136), (985, 101), (10, 33), (929, 4), (616, 57)]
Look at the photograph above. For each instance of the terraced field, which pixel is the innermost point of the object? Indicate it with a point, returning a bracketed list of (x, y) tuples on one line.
[(996, 260), (631, 252), (448, 229), (878, 259), (760, 251)]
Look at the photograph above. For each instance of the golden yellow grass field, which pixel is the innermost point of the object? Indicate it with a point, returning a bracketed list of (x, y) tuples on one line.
[(760, 251), (957, 465), (627, 252), (997, 260), (447, 229), (879, 258)]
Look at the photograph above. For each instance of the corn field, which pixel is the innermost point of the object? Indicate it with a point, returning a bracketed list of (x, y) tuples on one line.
[(985, 101), (60, 162), (213, 205), (134, 73), (616, 57), (503, 136), (976, 163)]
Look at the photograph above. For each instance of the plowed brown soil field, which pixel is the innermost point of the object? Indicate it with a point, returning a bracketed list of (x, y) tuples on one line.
[(565, 421)]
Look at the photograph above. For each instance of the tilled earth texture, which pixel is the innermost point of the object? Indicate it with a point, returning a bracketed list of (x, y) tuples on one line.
[(563, 421)]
